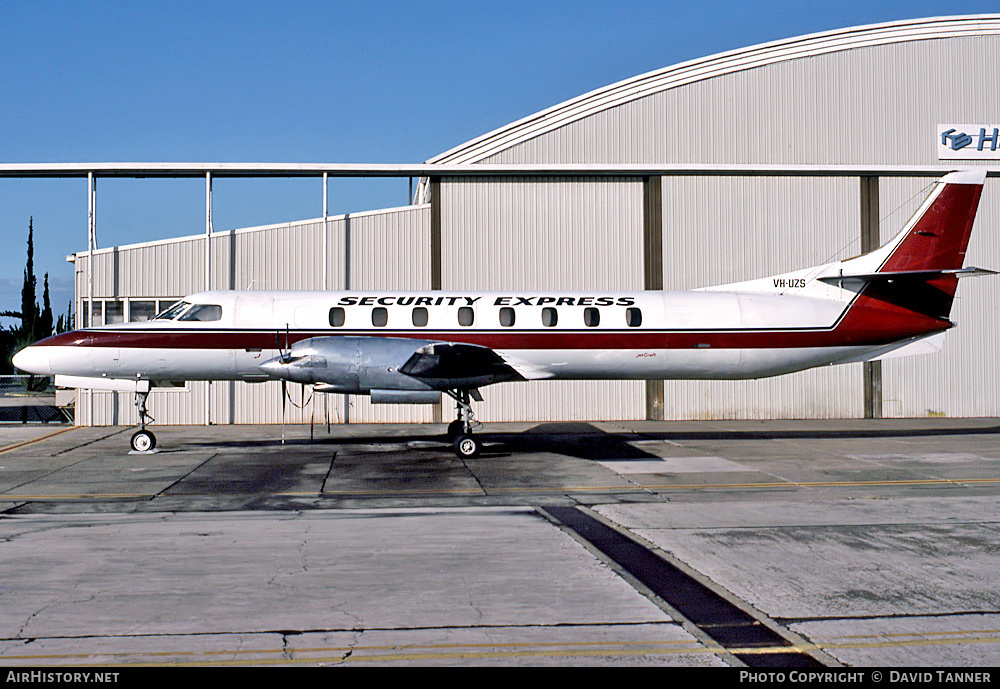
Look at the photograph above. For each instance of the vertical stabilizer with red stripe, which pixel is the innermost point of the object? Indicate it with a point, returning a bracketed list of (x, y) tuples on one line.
[(910, 282)]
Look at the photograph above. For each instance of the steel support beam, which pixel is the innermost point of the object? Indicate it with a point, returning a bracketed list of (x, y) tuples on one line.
[(652, 265), (870, 240)]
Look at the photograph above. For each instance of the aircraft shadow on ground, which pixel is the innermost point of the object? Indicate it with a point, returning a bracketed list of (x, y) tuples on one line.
[(585, 441)]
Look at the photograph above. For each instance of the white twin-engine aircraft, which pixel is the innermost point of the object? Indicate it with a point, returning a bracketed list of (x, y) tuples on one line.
[(409, 347)]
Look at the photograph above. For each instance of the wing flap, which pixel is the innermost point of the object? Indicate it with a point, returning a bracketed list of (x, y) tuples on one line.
[(450, 365)]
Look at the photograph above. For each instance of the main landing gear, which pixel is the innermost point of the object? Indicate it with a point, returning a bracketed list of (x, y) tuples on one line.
[(143, 440), (460, 433)]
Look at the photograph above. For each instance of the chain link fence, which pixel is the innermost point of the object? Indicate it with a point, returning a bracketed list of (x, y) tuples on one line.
[(31, 399)]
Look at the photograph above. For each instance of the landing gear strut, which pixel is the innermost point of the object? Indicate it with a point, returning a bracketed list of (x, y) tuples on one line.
[(143, 440), (460, 433)]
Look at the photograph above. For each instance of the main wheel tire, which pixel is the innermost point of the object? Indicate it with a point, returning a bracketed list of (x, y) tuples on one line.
[(454, 430), (143, 441), (467, 446)]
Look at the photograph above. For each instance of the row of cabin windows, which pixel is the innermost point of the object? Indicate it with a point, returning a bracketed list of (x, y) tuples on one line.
[(466, 317)]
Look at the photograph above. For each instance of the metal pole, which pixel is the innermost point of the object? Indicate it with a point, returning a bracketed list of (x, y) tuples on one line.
[(326, 278), (91, 218), (208, 231), (870, 240), (208, 278), (326, 233)]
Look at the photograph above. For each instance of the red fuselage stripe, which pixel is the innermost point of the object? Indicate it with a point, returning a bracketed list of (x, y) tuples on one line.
[(512, 340)]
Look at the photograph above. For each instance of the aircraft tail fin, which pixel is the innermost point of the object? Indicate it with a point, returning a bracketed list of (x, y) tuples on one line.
[(936, 237), (918, 269)]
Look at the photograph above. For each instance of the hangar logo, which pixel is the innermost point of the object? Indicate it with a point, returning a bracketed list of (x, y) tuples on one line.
[(968, 142)]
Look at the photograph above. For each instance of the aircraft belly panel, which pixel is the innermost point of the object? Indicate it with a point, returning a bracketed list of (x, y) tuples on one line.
[(684, 364), (174, 364)]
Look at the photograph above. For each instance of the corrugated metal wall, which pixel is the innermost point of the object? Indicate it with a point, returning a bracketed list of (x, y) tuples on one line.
[(388, 250), (546, 234), (876, 105), (729, 229), (963, 379)]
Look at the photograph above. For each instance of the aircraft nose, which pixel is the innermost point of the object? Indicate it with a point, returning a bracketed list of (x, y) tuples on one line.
[(33, 360)]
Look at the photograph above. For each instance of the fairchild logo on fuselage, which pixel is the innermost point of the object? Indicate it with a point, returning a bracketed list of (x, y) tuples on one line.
[(513, 300)]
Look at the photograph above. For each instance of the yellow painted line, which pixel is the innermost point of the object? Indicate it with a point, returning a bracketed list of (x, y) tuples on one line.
[(823, 484), (420, 649), (93, 496), (665, 486), (533, 489), (348, 655), (412, 652), (11, 448), (920, 634)]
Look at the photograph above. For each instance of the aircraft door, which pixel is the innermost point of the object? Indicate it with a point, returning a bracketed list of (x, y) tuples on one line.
[(255, 318)]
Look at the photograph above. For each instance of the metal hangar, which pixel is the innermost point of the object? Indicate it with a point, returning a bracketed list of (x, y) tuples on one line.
[(910, 93)]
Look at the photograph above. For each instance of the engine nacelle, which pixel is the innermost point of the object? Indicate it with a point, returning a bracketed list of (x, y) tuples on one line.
[(353, 365)]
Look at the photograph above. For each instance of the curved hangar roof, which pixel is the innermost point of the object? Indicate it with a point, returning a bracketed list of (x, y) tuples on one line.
[(888, 70)]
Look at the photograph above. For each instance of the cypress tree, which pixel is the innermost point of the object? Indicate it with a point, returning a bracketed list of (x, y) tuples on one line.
[(43, 326), (29, 307)]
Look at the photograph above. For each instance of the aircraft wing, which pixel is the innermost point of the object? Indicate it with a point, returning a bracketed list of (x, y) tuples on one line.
[(447, 365)]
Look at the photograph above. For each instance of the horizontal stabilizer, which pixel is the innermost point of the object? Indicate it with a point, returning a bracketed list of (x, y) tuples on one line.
[(906, 274)]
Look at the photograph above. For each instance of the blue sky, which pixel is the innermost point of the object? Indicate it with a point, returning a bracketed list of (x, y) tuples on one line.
[(317, 82)]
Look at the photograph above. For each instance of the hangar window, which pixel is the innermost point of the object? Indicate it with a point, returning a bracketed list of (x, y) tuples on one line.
[(141, 310), (633, 317), (380, 316), (506, 316), (419, 316), (591, 317), (549, 317), (337, 316), (202, 312), (114, 312), (466, 316)]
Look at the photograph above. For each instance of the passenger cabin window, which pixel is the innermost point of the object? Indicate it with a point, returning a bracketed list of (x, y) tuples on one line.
[(202, 312), (337, 316), (466, 316), (380, 316), (591, 317), (549, 317), (633, 317), (506, 317), (419, 316)]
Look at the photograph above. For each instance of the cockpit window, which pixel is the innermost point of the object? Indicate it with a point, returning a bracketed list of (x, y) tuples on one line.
[(202, 312), (173, 311)]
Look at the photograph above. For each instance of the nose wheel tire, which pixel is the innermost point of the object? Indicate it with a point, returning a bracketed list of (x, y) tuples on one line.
[(143, 441), (467, 446)]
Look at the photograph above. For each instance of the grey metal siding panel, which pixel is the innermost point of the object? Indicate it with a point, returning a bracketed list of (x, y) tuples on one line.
[(546, 234), (388, 250), (723, 230), (876, 105), (963, 379)]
